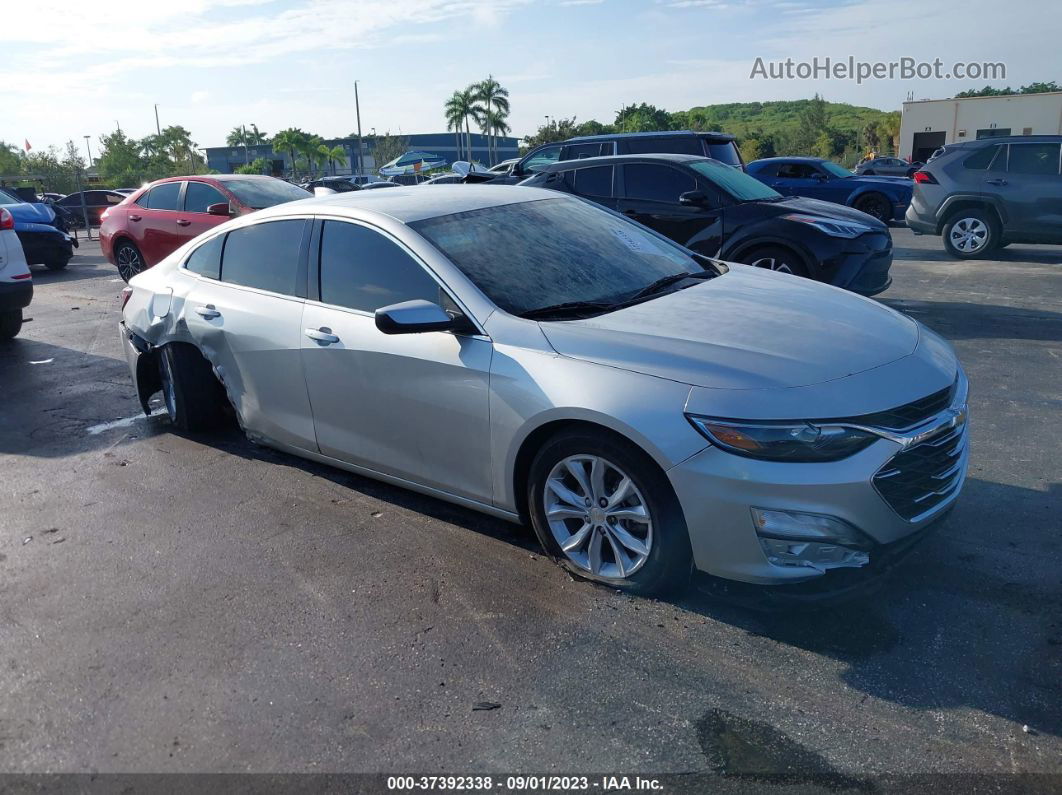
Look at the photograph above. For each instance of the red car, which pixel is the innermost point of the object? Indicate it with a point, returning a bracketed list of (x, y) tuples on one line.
[(160, 217)]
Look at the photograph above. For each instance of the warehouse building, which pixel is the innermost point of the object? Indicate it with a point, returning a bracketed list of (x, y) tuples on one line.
[(226, 159), (929, 124)]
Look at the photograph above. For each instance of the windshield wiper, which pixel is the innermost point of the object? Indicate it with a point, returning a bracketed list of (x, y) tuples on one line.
[(568, 308), (666, 281)]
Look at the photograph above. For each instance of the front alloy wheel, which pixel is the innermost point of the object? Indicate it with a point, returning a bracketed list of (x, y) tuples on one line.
[(128, 260), (598, 517)]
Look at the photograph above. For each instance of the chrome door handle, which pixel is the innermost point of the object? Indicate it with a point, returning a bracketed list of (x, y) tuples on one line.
[(183, 222), (996, 181), (134, 217), (208, 311), (323, 335)]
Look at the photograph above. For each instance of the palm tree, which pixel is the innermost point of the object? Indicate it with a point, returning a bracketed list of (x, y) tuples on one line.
[(289, 141), (254, 136), (495, 122), (493, 96), (333, 155), (456, 110), (236, 137)]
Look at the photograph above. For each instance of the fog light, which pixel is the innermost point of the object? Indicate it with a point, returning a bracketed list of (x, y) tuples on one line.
[(793, 538)]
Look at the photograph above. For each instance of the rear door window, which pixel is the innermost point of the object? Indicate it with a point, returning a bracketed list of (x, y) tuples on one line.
[(795, 171), (596, 181), (265, 256), (206, 260), (579, 151), (725, 152), (161, 197), (981, 159), (651, 182), (1036, 159), (672, 144)]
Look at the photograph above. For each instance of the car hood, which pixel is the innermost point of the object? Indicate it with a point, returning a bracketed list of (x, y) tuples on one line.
[(746, 329), (35, 213), (831, 210)]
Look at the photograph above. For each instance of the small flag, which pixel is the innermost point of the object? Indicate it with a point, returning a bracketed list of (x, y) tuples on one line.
[(28, 147)]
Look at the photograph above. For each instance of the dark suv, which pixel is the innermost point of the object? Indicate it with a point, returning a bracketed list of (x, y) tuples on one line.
[(718, 211), (980, 195), (716, 145)]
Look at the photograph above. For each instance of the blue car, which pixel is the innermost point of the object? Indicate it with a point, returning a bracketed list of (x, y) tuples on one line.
[(885, 198), (38, 231)]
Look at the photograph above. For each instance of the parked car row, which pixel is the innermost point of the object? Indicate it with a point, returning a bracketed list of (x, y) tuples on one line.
[(40, 231), (528, 353)]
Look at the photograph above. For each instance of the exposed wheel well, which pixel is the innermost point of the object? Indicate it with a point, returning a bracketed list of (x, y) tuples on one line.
[(870, 194), (147, 373), (970, 204), (534, 442)]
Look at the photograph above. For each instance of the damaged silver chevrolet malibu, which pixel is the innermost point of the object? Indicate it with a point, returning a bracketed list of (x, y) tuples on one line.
[(523, 353)]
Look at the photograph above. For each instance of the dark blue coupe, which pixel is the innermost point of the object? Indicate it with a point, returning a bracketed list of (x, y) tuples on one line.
[(885, 198)]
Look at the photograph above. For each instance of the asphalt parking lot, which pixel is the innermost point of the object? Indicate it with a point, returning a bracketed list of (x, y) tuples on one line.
[(180, 603)]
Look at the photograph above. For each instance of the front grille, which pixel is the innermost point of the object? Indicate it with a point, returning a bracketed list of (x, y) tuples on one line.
[(919, 479), (910, 414)]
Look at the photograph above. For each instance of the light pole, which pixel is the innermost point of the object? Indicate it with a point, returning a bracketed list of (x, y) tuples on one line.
[(89, 149), (158, 127), (357, 110)]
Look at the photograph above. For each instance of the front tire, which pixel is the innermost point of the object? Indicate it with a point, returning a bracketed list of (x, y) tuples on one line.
[(605, 511), (57, 265), (776, 258), (970, 234), (128, 260), (194, 399), (10, 324)]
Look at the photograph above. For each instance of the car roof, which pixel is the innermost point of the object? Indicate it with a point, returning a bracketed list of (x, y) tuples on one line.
[(587, 162), (1007, 139), (408, 204), (657, 134), (789, 160)]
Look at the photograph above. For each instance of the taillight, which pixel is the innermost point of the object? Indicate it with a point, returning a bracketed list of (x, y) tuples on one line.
[(127, 293), (925, 178), (105, 213), (7, 220)]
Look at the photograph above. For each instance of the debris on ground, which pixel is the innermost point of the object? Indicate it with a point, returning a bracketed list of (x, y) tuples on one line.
[(483, 706)]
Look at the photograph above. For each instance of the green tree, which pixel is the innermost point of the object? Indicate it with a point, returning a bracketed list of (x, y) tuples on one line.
[(1040, 88), (387, 147), (260, 165), (333, 155), (255, 137), (495, 107), (457, 110), (120, 163), (289, 141), (10, 159), (642, 118)]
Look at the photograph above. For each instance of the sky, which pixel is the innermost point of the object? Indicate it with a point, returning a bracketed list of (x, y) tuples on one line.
[(74, 68)]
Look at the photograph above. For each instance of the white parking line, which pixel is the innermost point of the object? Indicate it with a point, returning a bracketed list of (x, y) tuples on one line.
[(123, 423)]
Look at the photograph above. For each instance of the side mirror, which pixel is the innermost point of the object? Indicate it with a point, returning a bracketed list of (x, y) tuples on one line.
[(413, 317), (221, 208), (693, 198)]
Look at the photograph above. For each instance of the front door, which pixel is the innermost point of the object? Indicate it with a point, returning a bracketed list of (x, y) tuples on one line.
[(414, 406), (651, 197), (194, 219), (1028, 184)]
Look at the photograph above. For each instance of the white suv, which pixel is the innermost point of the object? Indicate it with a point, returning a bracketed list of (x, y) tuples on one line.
[(16, 283)]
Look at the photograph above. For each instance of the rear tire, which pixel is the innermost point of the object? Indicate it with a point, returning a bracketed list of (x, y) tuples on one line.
[(868, 173), (10, 324), (776, 258), (970, 234), (128, 260), (193, 396), (874, 205), (636, 537), (57, 265)]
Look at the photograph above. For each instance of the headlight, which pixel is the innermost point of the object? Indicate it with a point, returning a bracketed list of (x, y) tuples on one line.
[(794, 441), (847, 229)]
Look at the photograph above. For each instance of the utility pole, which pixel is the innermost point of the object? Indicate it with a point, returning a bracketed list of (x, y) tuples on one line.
[(89, 149), (357, 109), (246, 153), (158, 128)]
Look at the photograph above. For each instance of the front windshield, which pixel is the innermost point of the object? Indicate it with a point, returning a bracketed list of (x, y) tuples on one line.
[(543, 253), (737, 183), (835, 170), (262, 193)]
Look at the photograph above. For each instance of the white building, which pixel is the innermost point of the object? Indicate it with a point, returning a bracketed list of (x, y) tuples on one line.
[(928, 124)]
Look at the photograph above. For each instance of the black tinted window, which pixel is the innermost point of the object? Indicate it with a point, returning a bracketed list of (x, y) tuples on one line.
[(206, 260), (656, 183), (198, 196), (362, 269), (1033, 159), (265, 256), (675, 145), (725, 152), (579, 151), (981, 159), (595, 181), (795, 171), (540, 159), (161, 197)]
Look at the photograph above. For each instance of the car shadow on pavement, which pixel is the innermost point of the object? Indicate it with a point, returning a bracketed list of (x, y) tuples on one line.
[(958, 320), (1016, 254), (77, 270), (963, 622)]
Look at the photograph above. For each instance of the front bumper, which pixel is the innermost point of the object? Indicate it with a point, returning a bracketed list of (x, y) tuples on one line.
[(143, 367), (42, 247), (717, 491), (863, 264), (15, 295)]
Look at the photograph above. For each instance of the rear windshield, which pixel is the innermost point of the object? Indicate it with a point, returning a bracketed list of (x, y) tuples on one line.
[(9, 198), (261, 193), (737, 183), (725, 153)]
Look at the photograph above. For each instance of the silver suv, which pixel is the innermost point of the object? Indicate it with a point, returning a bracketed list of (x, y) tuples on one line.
[(982, 195)]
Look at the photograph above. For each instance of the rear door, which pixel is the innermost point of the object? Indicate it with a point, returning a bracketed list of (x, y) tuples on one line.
[(1027, 181), (194, 219), (248, 322), (650, 195), (152, 221), (596, 184)]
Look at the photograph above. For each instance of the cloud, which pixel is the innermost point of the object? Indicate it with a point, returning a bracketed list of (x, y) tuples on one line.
[(580, 2), (199, 97)]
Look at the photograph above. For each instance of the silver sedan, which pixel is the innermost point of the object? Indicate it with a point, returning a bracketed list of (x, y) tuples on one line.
[(538, 358)]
